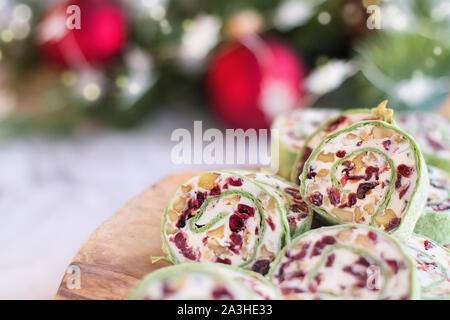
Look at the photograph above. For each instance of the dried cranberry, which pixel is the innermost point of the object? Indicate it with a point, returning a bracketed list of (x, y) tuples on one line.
[(330, 260), (298, 274), (287, 291), (340, 153), (235, 182), (167, 290), (245, 211), (215, 191), (292, 221), (306, 153), (394, 223), (387, 144), (311, 174), (222, 293), (180, 242), (365, 187), (402, 193), (359, 143), (393, 264), (270, 223), (441, 206), (398, 182), (302, 252), (329, 240), (428, 245), (317, 249), (363, 262), (351, 199), (343, 180), (404, 170), (223, 261), (293, 192), (261, 266), (434, 144), (335, 124), (370, 171), (236, 223), (316, 199), (372, 236), (200, 198), (334, 195), (236, 239)]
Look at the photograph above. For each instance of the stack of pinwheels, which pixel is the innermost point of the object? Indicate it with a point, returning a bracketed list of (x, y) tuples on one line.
[(354, 207)]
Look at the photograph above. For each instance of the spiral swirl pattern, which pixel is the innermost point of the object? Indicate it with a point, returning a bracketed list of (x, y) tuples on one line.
[(229, 217), (370, 173), (345, 262)]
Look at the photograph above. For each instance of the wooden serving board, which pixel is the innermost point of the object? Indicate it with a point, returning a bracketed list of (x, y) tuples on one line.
[(117, 255)]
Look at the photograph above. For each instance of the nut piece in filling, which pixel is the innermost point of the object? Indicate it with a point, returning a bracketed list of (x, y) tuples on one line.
[(344, 262)]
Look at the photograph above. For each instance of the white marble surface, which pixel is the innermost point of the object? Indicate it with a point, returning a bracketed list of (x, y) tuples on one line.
[(54, 193)]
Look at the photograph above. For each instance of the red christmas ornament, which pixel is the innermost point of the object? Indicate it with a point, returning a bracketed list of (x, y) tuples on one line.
[(252, 81), (101, 36)]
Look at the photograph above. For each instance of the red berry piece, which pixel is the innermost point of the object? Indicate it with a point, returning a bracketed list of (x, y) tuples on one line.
[(245, 211), (222, 294), (428, 245), (394, 223), (365, 187), (234, 182), (223, 261), (316, 199), (341, 153), (393, 264), (330, 260), (236, 223), (370, 171), (215, 191), (335, 124), (311, 174), (352, 199), (387, 144), (261, 266), (334, 195), (404, 170), (372, 236)]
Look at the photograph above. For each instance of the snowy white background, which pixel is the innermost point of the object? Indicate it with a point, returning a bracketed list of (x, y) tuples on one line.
[(55, 192)]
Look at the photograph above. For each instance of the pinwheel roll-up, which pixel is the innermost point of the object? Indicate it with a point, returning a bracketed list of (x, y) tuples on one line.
[(370, 173), (292, 130), (299, 215), (432, 133), (340, 122), (433, 267), (205, 281), (227, 218), (434, 223), (345, 262)]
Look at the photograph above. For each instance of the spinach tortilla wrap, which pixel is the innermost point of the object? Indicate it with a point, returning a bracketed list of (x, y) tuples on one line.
[(370, 173), (229, 217), (432, 133), (433, 267), (293, 129), (345, 262), (204, 281), (340, 122), (434, 223)]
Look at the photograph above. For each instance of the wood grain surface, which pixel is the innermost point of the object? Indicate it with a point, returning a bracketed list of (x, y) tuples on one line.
[(117, 255)]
